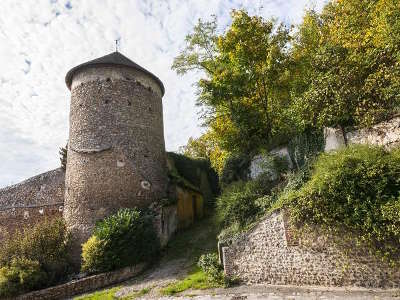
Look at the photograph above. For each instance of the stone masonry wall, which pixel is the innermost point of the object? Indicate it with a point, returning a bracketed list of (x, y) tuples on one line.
[(84, 285), (268, 254), (116, 152), (32, 200), (385, 134), (165, 222)]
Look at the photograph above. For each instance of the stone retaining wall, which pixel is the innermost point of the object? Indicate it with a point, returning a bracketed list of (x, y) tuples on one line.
[(385, 134), (84, 285), (268, 253)]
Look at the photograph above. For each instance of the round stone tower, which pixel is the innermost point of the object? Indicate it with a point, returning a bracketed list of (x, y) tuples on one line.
[(116, 152)]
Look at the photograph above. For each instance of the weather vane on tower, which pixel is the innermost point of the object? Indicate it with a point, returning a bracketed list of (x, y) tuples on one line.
[(116, 45)]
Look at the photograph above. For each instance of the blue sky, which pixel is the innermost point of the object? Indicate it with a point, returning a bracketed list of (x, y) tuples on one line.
[(40, 40)]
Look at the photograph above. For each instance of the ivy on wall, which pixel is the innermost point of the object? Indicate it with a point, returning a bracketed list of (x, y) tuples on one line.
[(196, 174), (305, 146)]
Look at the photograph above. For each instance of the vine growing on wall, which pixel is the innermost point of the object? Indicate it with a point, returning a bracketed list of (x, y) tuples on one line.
[(353, 190), (305, 146)]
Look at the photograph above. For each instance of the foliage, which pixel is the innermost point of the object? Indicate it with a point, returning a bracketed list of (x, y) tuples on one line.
[(347, 64), (236, 168), (305, 146), (92, 254), (46, 243), (206, 147), (262, 86), (238, 203), (108, 294), (63, 156), (21, 275), (138, 294), (244, 91), (123, 239), (210, 265), (230, 232), (356, 189), (191, 170), (196, 279)]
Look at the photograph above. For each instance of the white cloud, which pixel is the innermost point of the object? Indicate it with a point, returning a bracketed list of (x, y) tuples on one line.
[(40, 40)]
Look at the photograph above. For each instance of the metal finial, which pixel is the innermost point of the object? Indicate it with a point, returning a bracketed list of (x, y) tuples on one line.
[(116, 45)]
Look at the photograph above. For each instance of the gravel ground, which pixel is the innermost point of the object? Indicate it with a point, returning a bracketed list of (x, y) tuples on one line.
[(165, 273)]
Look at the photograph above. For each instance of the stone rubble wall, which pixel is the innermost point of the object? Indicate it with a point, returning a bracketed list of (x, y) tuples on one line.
[(116, 156), (385, 134), (84, 285), (268, 254), (165, 222), (26, 203)]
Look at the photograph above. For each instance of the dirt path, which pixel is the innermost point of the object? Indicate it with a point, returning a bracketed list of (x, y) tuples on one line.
[(164, 274), (156, 278), (289, 292)]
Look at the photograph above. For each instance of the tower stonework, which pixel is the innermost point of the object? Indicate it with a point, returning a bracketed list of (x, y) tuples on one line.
[(116, 152)]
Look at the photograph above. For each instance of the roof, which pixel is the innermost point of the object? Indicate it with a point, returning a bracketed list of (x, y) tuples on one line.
[(114, 58)]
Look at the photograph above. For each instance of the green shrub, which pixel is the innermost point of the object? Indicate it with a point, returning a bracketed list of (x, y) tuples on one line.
[(305, 146), (238, 203), (357, 189), (228, 233), (44, 247), (124, 239), (210, 265), (93, 254), (21, 275)]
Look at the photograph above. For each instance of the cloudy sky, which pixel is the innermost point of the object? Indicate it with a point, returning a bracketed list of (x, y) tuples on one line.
[(40, 40)]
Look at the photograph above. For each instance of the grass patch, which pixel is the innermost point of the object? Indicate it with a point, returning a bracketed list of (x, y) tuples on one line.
[(108, 294), (137, 294), (196, 280)]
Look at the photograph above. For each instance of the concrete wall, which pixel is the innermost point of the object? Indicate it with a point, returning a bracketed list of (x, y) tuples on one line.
[(32, 200), (385, 134), (268, 253)]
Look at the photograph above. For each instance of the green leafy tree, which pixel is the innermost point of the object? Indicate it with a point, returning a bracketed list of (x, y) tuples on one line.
[(63, 156), (207, 147), (244, 91), (346, 64)]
